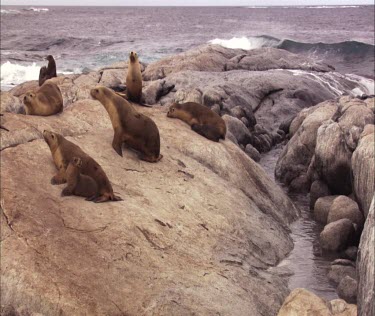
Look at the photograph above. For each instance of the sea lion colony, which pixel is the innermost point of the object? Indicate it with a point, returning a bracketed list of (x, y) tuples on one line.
[(83, 175)]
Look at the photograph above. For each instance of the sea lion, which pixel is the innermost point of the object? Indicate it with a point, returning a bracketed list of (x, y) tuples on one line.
[(48, 72), (202, 119), (63, 151), (134, 129), (78, 183), (134, 79), (46, 101)]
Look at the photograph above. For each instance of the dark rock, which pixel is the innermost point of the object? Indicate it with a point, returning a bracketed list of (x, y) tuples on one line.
[(284, 126), (237, 129), (337, 235), (318, 189), (351, 253), (252, 152), (216, 108), (300, 184), (322, 207), (338, 272), (347, 290)]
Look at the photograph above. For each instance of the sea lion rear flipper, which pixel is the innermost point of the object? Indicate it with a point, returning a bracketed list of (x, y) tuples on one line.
[(107, 197)]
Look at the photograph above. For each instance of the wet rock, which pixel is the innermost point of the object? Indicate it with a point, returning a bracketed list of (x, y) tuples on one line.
[(237, 129), (300, 184), (322, 207), (365, 266), (338, 272), (344, 207), (347, 289), (252, 152), (318, 189), (364, 169), (336, 235)]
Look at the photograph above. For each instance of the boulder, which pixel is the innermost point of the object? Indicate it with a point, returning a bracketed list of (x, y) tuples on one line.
[(318, 189), (252, 152), (337, 235), (191, 221), (351, 253), (237, 129), (365, 267), (364, 169), (344, 207), (322, 207), (340, 308), (347, 289), (339, 271)]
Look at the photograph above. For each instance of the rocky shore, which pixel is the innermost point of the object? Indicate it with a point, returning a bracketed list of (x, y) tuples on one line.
[(202, 231)]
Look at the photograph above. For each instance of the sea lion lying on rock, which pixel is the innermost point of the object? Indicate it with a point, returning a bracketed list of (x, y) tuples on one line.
[(136, 130), (63, 151), (78, 183), (48, 72), (46, 101), (202, 119)]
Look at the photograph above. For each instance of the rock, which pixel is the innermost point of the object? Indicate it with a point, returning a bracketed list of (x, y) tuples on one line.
[(343, 262), (318, 189), (301, 302), (252, 152), (183, 96), (340, 308), (365, 266), (344, 207), (300, 184), (322, 207), (216, 108), (284, 126), (10, 103), (238, 129), (336, 235), (68, 256), (338, 272), (347, 290), (364, 169), (351, 253), (155, 90)]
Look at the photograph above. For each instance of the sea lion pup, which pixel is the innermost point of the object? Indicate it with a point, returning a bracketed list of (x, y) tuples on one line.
[(78, 183), (134, 79), (134, 129), (48, 72), (46, 101), (202, 119), (63, 152)]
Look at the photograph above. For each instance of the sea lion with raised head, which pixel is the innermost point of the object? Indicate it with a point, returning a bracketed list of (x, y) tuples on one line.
[(46, 101), (134, 79), (78, 183), (48, 72), (135, 129), (202, 119), (63, 151)]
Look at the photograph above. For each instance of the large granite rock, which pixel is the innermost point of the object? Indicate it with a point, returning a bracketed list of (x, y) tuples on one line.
[(364, 169), (322, 207), (301, 302), (182, 242), (365, 267), (337, 235), (344, 207), (347, 289)]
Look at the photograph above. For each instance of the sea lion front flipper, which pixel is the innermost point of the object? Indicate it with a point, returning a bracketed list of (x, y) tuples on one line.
[(117, 143), (58, 178), (66, 191)]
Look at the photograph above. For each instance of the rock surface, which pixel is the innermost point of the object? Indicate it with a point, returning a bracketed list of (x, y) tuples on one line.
[(183, 241), (318, 189), (322, 207), (347, 289), (301, 302), (344, 207), (339, 271), (365, 267)]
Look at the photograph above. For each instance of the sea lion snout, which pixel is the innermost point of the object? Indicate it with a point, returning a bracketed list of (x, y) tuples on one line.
[(94, 93)]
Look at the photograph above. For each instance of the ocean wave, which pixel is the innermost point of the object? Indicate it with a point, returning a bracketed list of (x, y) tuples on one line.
[(329, 7), (246, 42), (10, 11), (37, 9), (14, 74)]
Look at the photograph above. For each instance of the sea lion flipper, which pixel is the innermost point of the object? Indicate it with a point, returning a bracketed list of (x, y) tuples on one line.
[(66, 191), (117, 142), (58, 178), (107, 197), (208, 131)]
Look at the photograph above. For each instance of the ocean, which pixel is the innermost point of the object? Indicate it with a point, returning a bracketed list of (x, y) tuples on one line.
[(86, 38)]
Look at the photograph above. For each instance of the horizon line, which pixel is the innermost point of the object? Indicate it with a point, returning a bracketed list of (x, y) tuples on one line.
[(187, 6)]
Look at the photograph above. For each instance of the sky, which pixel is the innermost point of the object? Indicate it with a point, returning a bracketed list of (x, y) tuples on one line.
[(185, 2)]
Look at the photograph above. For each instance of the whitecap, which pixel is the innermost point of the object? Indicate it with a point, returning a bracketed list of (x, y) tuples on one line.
[(245, 42), (37, 9)]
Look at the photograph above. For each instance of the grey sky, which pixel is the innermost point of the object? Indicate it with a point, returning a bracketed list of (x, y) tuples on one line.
[(186, 2)]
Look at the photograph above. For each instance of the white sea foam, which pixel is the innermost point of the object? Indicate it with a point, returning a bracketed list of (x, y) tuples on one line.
[(245, 42), (3, 11), (37, 9), (14, 74)]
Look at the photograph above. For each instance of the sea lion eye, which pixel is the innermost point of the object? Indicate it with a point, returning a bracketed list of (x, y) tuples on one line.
[(53, 136)]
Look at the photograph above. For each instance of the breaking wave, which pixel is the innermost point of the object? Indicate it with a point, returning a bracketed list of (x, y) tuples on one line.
[(246, 42)]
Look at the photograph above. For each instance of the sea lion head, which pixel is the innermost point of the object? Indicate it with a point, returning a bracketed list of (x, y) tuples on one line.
[(133, 57), (28, 98), (49, 58), (77, 162), (173, 110), (52, 139), (99, 93)]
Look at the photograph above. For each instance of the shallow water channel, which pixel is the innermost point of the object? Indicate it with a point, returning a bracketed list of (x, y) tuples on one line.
[(306, 261)]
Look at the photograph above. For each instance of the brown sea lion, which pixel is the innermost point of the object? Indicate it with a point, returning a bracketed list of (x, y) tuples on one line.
[(134, 79), (46, 101), (202, 119), (78, 183), (63, 152), (134, 129), (48, 72)]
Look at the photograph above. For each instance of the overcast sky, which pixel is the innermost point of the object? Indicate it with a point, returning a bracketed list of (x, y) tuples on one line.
[(186, 2)]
